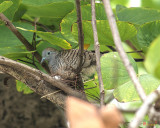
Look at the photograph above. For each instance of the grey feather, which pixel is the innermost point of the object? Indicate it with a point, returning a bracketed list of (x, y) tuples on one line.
[(65, 63)]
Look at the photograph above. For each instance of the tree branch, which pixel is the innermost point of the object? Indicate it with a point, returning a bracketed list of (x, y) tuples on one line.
[(119, 47), (147, 106), (80, 35), (38, 81), (97, 52), (39, 24), (28, 46)]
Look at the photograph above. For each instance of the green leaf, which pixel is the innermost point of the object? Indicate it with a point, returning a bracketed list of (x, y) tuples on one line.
[(8, 39), (92, 90), (14, 52), (119, 8), (113, 70), (21, 87), (147, 33), (44, 44), (10, 12), (138, 15), (152, 62), (127, 93), (50, 10), (126, 31), (43, 2), (71, 18), (151, 4), (19, 13), (51, 38), (114, 3), (5, 5)]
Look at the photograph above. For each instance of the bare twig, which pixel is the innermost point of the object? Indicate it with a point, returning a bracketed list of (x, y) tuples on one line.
[(147, 106), (119, 47), (80, 35), (134, 48), (127, 110), (28, 46), (112, 48), (31, 63), (39, 24), (97, 52), (34, 38), (19, 67)]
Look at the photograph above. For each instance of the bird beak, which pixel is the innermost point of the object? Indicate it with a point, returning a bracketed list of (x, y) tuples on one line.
[(43, 59)]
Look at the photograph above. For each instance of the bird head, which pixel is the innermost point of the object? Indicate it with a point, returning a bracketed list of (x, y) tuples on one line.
[(48, 53)]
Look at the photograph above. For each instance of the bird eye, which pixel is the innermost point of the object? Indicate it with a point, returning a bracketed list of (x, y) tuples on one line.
[(49, 53)]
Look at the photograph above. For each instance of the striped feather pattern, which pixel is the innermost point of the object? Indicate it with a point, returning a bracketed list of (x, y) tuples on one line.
[(65, 63)]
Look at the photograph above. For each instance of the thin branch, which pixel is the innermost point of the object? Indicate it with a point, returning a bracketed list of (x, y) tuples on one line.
[(127, 110), (134, 48), (112, 48), (28, 46), (80, 35), (136, 51), (34, 38), (97, 52), (39, 24), (29, 63), (138, 60), (147, 105), (119, 47), (18, 68)]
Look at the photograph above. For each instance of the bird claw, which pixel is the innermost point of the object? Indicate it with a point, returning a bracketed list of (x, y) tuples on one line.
[(57, 77)]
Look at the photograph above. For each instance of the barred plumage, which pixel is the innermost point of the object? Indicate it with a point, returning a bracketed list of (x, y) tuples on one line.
[(65, 63)]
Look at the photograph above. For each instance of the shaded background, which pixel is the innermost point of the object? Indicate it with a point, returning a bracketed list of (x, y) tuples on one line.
[(26, 111)]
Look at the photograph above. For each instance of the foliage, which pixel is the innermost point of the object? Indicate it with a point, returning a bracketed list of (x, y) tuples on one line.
[(57, 27)]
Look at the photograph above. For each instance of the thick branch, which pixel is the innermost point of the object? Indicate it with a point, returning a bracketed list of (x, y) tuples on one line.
[(80, 35), (39, 82), (97, 52), (117, 41), (147, 105), (28, 46)]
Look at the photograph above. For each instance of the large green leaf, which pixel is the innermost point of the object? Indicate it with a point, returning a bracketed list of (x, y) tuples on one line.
[(113, 70), (152, 62), (138, 15), (19, 13), (52, 10), (127, 93), (5, 5), (51, 38), (121, 2), (44, 44), (126, 31), (150, 3), (43, 2), (147, 33), (71, 18), (10, 12), (8, 39), (10, 46), (14, 52)]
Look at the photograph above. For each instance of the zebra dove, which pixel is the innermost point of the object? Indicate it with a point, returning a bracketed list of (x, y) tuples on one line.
[(65, 63)]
